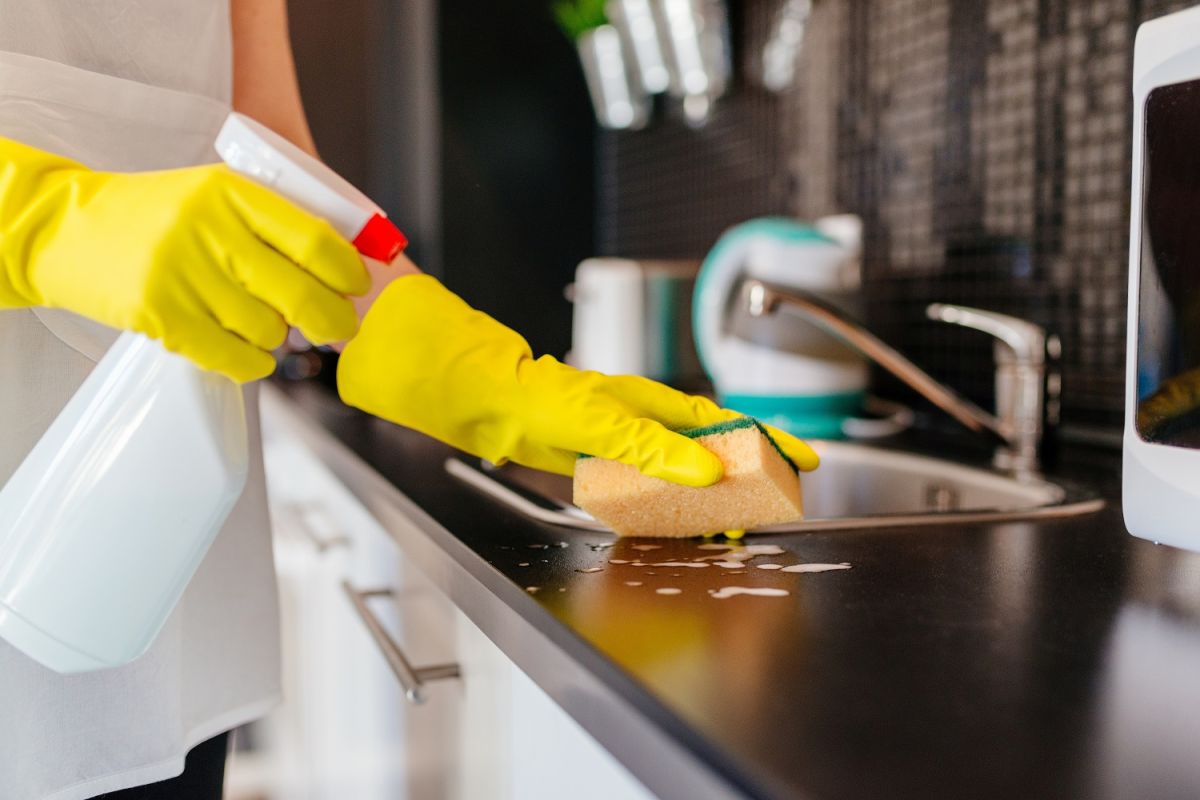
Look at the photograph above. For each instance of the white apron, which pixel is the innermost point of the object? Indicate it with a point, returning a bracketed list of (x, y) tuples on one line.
[(125, 85)]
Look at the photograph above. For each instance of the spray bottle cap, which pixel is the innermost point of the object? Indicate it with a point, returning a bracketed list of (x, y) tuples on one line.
[(259, 153)]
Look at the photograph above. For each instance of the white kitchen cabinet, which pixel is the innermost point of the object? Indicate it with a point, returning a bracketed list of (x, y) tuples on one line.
[(345, 728), (517, 744)]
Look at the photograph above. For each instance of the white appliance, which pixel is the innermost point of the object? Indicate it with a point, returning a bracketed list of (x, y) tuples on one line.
[(106, 520), (634, 317), (1161, 494)]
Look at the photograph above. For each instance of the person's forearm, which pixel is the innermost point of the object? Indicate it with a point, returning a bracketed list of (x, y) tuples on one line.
[(264, 73), (265, 88)]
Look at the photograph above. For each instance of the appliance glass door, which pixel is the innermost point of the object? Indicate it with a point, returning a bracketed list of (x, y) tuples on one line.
[(1168, 352)]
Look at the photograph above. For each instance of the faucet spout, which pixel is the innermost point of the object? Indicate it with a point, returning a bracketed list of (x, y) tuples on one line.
[(763, 299)]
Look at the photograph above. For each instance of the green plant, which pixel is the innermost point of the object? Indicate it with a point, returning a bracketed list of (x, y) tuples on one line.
[(577, 17)]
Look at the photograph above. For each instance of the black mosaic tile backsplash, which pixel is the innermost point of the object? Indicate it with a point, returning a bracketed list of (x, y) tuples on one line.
[(985, 143)]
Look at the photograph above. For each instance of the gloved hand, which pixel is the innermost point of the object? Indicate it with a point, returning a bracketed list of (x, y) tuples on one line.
[(208, 262), (426, 360)]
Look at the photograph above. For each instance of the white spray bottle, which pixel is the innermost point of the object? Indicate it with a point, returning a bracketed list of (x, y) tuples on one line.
[(110, 514)]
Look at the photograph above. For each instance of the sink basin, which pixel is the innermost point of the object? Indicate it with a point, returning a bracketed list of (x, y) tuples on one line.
[(856, 486)]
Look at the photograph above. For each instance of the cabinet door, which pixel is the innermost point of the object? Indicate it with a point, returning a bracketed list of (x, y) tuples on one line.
[(517, 743)]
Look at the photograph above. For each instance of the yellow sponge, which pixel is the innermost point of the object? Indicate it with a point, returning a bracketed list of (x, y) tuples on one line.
[(760, 487)]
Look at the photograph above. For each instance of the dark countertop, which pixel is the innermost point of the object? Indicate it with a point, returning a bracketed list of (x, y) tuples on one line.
[(1056, 659)]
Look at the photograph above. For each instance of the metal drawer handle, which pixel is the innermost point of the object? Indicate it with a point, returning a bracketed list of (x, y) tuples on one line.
[(302, 514), (412, 679)]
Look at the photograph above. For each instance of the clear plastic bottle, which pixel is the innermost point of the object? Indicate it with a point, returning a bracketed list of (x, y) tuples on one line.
[(110, 514)]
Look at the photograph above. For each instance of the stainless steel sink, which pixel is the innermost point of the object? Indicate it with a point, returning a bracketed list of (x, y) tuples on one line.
[(856, 487), (859, 486)]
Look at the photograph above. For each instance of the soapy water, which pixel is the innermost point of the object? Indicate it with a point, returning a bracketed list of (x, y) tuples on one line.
[(758, 591), (732, 557), (736, 552), (817, 567)]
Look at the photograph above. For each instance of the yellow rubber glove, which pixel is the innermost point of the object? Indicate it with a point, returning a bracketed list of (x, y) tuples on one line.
[(208, 262), (426, 360)]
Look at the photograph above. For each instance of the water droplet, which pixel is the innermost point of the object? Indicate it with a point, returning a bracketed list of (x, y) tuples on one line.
[(633, 583), (523, 564), (532, 589), (691, 564), (591, 569), (668, 590), (617, 561), (647, 547), (769, 566)]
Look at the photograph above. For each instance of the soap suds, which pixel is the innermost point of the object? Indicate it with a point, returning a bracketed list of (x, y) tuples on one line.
[(691, 564), (769, 566), (633, 583), (733, 591), (647, 547), (816, 567), (736, 552), (668, 590)]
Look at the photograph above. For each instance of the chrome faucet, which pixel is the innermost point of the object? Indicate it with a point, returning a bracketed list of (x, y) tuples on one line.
[(1028, 384)]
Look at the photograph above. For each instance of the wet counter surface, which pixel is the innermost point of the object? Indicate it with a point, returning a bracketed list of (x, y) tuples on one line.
[(1056, 659)]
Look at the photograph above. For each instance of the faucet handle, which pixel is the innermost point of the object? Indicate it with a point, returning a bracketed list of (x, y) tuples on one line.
[(1028, 343), (1028, 383)]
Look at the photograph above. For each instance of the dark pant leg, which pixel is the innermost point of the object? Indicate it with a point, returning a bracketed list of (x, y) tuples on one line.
[(202, 778)]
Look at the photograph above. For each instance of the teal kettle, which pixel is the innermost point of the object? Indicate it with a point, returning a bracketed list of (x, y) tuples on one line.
[(782, 370)]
